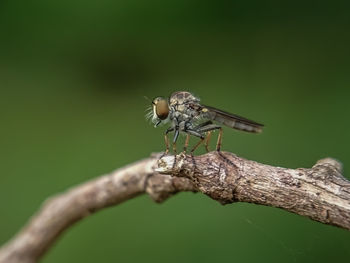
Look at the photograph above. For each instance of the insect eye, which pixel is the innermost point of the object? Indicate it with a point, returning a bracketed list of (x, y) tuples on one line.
[(162, 109)]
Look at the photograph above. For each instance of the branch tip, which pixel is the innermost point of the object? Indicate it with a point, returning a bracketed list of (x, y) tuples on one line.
[(166, 164)]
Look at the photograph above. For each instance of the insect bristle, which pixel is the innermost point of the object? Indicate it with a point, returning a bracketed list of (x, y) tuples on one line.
[(149, 108), (149, 114), (149, 100)]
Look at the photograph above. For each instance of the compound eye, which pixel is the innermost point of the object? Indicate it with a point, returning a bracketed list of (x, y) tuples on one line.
[(162, 109)]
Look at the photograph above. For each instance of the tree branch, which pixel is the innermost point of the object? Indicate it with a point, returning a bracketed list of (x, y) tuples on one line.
[(320, 193)]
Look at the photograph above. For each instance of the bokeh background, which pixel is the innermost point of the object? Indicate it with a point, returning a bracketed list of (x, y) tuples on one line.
[(73, 76)]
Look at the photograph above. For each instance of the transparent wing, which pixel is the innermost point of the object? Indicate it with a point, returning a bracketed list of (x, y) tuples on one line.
[(231, 120)]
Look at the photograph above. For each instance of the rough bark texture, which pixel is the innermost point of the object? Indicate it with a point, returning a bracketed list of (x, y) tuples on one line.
[(320, 193)]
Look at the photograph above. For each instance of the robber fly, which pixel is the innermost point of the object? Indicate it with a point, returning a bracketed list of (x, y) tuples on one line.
[(185, 114)]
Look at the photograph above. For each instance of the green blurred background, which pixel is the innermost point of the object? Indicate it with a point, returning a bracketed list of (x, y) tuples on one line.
[(73, 76)]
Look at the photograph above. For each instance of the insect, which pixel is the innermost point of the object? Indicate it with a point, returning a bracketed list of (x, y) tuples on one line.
[(186, 114)]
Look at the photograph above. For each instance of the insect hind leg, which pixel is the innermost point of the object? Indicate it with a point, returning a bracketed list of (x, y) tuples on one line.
[(212, 127)]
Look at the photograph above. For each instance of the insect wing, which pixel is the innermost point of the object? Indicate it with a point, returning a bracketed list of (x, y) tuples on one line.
[(231, 120)]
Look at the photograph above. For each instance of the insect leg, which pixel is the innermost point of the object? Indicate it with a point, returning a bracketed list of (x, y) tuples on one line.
[(166, 139), (218, 144), (196, 146), (212, 127), (202, 125), (176, 135), (197, 134), (206, 144), (186, 142)]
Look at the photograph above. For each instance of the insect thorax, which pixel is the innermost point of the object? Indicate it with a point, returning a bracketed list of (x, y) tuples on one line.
[(183, 107)]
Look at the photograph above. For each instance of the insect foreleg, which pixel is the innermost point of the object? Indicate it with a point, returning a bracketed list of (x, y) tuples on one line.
[(166, 139)]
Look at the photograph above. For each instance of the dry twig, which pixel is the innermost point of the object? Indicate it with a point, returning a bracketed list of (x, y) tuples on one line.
[(320, 193)]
